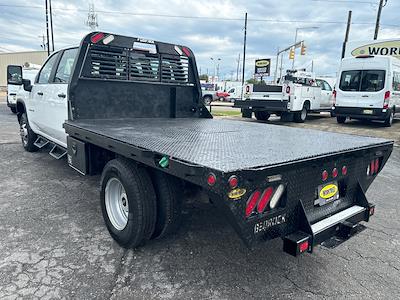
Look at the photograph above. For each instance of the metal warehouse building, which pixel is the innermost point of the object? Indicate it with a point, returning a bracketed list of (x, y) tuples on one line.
[(19, 58)]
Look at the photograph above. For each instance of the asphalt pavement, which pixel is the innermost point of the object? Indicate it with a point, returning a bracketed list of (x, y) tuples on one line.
[(53, 244)]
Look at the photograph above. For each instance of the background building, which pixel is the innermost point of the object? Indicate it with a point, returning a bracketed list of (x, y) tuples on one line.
[(19, 58)]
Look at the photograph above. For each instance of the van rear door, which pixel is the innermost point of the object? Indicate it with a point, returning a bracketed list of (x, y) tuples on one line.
[(362, 88)]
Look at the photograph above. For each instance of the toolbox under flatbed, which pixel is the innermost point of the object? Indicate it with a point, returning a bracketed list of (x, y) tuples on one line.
[(223, 145)]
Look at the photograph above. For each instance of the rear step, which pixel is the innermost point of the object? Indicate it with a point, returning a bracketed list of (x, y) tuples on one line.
[(330, 232), (41, 142), (58, 152)]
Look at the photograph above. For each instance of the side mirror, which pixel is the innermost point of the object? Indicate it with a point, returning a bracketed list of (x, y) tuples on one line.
[(27, 85), (14, 75)]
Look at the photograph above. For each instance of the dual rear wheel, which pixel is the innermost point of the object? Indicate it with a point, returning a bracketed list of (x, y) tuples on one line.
[(139, 204)]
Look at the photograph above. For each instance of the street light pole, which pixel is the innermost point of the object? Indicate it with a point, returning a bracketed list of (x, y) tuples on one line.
[(295, 39)]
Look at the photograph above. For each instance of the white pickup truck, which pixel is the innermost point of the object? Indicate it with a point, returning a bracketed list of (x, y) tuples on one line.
[(299, 94), (14, 90)]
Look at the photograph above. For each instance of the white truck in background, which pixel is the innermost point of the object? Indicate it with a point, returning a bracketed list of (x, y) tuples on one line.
[(297, 94), (14, 91), (368, 88)]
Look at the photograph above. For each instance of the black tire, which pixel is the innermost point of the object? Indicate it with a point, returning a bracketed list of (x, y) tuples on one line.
[(169, 193), (28, 137), (247, 113), (207, 100), (262, 115), (340, 120), (13, 110), (300, 117), (389, 119), (141, 199), (333, 114)]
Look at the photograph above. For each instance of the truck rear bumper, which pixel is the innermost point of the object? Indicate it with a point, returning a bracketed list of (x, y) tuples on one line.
[(362, 113), (266, 105)]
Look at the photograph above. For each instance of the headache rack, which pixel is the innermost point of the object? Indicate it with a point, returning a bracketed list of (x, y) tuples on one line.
[(129, 64)]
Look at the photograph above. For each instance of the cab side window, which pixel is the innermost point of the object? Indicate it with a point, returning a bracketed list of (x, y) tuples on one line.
[(45, 73), (396, 81), (327, 86), (64, 68)]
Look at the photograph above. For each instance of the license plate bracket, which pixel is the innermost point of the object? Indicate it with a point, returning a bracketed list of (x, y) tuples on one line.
[(368, 111)]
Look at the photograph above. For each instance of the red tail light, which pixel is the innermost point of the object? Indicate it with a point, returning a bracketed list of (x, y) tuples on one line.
[(335, 172), (303, 247), (334, 93), (376, 165), (252, 202), (344, 170), (372, 168), (186, 51), (325, 175), (211, 179), (265, 198), (96, 37), (387, 95), (233, 181)]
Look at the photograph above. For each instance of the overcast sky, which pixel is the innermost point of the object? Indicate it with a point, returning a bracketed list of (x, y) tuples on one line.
[(212, 33)]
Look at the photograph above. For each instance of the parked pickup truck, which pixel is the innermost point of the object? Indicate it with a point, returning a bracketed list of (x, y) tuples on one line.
[(135, 115), (298, 94)]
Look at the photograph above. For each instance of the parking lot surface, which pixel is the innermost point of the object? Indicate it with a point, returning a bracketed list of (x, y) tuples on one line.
[(53, 243)]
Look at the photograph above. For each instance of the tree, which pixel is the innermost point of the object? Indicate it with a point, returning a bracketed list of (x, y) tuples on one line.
[(204, 77), (255, 81)]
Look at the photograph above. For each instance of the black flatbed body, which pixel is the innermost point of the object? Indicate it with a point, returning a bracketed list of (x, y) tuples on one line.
[(223, 145)]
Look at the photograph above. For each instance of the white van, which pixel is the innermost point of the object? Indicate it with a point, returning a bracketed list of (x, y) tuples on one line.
[(368, 87)]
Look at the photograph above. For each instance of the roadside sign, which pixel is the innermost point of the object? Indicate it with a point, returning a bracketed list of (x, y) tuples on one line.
[(262, 67), (376, 47)]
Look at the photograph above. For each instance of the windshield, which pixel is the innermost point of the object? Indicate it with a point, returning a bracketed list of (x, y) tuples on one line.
[(362, 80)]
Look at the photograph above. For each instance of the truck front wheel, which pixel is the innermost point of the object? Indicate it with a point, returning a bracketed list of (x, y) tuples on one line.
[(389, 119), (262, 115), (128, 202), (28, 137)]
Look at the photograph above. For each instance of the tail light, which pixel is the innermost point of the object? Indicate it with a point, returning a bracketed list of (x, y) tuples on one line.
[(344, 170), (186, 51), (252, 203), (288, 90), (247, 89), (373, 167), (334, 93), (325, 175), (211, 179), (96, 37), (335, 172), (265, 198), (268, 198), (386, 100), (233, 181)]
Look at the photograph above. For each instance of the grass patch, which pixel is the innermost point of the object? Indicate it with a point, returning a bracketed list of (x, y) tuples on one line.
[(225, 113)]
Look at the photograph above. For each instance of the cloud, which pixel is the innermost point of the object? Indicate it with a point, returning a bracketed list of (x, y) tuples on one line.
[(204, 34)]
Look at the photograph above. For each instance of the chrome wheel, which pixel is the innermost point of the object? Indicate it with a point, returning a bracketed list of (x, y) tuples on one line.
[(116, 202), (304, 114), (23, 130)]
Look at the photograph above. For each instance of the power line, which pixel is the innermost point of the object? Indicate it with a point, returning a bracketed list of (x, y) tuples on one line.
[(202, 17), (344, 1)]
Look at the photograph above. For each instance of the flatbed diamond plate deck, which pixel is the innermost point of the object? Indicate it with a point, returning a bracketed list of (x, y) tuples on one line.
[(225, 145)]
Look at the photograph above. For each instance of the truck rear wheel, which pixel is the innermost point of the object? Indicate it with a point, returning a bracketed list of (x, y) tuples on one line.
[(207, 100), (262, 115), (300, 117), (128, 202), (28, 137), (389, 119), (340, 119), (169, 193)]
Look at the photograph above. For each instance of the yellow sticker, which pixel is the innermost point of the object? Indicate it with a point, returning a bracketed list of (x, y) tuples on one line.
[(262, 63), (236, 193), (328, 191)]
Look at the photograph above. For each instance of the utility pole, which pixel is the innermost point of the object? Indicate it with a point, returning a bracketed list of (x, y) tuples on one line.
[(244, 51), (237, 68), (47, 28), (43, 44), (92, 18), (51, 27), (378, 17), (346, 37)]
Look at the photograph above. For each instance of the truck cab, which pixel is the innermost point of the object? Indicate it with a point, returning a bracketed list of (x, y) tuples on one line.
[(46, 106)]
